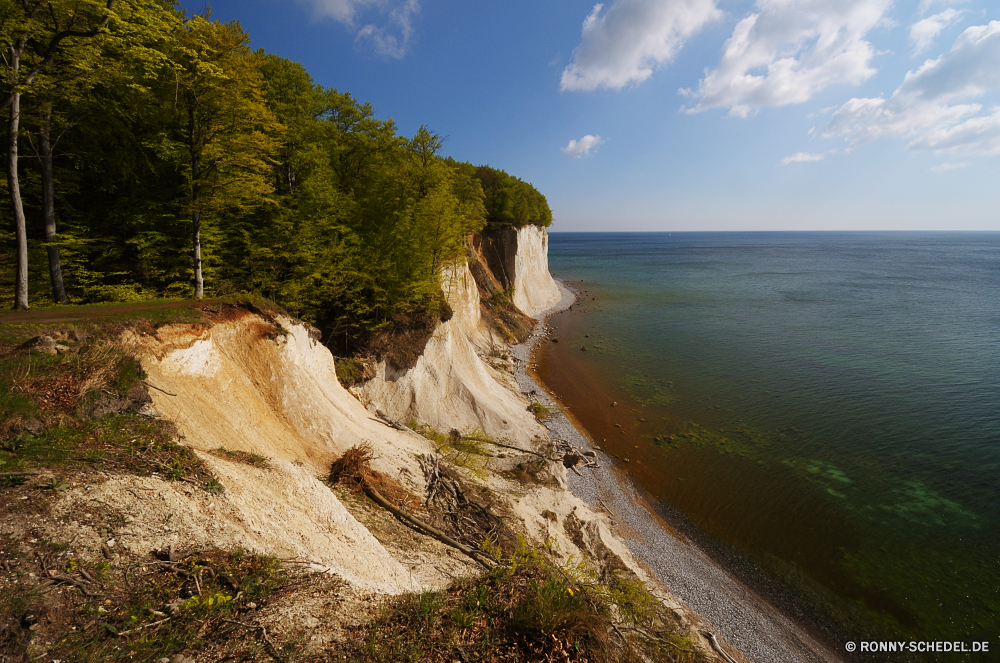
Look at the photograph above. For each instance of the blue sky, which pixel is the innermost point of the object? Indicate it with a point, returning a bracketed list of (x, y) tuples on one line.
[(683, 114)]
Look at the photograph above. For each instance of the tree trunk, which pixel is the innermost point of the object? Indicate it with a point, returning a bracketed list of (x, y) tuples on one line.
[(49, 205), (199, 283), (20, 232)]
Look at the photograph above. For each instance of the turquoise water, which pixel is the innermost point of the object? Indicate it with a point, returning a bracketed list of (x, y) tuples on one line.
[(828, 404)]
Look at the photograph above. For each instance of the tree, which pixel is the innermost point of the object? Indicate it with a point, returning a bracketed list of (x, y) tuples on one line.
[(127, 55), (228, 132), (449, 204), (33, 33)]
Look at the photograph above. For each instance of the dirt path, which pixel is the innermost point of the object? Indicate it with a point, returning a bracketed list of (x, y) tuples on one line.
[(72, 313)]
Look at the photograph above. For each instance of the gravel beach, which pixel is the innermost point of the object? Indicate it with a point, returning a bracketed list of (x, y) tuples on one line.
[(742, 618)]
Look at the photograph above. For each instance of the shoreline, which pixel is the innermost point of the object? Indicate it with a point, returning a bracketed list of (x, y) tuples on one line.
[(739, 615)]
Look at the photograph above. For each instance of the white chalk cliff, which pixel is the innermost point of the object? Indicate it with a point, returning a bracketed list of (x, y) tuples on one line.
[(456, 383), (534, 289)]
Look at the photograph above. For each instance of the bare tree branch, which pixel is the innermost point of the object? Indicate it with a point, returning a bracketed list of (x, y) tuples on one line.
[(53, 48)]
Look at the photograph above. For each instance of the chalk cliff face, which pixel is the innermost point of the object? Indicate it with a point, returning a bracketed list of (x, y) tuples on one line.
[(460, 381), (249, 384), (518, 258), (534, 289), (456, 383)]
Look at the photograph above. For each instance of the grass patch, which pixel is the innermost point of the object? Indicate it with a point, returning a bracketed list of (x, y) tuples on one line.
[(69, 411), (246, 457), (467, 448), (352, 370), (526, 610), (148, 610), (534, 471), (124, 443), (156, 312), (539, 410)]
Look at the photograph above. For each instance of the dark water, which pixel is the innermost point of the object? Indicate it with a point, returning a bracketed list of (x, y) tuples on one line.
[(826, 403)]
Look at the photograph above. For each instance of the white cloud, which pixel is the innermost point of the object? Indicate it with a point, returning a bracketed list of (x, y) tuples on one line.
[(925, 31), (394, 41), (390, 36), (933, 106), (802, 157), (927, 5), (788, 51), (945, 167), (582, 147), (622, 45)]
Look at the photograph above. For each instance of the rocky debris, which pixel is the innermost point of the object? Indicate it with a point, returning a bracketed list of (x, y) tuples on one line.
[(54, 342), (43, 345), (136, 400), (148, 410), (68, 335), (31, 425), (571, 460)]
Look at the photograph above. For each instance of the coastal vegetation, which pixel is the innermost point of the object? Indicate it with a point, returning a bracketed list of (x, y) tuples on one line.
[(153, 154), (525, 609)]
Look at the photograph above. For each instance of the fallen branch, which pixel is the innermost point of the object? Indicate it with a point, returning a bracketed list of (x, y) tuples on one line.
[(18, 474), (389, 421), (524, 451), (422, 526), (656, 638), (139, 628), (717, 647), (152, 386), (82, 584), (272, 652)]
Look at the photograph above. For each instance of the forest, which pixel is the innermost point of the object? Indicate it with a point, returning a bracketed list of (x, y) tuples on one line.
[(155, 154)]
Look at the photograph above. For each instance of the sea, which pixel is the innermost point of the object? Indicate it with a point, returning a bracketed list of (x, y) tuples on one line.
[(821, 410)]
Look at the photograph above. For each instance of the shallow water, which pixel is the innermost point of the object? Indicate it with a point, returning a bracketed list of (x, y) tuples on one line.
[(826, 404)]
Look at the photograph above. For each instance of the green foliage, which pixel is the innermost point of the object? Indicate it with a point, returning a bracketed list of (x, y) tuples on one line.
[(213, 487), (466, 448), (350, 370), (248, 457), (526, 609), (154, 609), (141, 446), (302, 194), (539, 410), (508, 200)]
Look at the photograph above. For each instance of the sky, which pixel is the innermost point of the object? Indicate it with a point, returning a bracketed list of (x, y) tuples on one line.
[(680, 115)]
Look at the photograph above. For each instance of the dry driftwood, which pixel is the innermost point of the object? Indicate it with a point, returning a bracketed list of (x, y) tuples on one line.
[(424, 527)]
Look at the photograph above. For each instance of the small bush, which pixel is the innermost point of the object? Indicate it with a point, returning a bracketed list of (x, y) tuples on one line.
[(352, 370), (466, 448), (528, 609), (539, 410), (354, 471), (246, 457)]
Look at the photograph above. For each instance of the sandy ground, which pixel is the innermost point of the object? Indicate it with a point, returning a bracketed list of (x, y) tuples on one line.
[(740, 617)]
